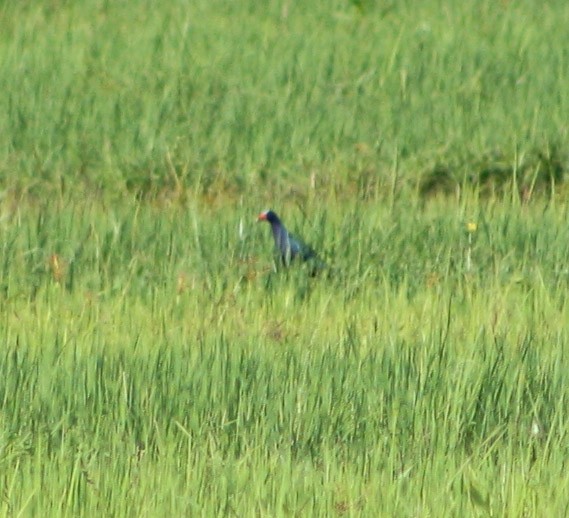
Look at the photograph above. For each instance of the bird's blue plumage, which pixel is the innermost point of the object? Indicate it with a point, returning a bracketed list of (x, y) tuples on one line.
[(287, 246)]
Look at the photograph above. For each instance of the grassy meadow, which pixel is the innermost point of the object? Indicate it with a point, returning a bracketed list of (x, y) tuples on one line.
[(155, 362)]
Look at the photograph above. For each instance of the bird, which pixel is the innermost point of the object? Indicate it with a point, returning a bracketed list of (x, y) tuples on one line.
[(287, 246)]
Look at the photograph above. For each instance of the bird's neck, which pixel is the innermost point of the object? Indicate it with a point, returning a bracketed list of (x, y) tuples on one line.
[(280, 233)]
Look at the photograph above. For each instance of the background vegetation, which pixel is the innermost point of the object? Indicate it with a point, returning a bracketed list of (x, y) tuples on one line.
[(154, 362)]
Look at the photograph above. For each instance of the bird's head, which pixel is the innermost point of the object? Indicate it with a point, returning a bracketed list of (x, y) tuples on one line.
[(268, 215)]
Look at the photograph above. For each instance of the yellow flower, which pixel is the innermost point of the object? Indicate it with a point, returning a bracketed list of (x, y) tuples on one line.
[(471, 226)]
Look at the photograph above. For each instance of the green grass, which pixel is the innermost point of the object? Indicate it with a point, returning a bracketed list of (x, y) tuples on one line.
[(162, 367), (148, 96), (155, 363)]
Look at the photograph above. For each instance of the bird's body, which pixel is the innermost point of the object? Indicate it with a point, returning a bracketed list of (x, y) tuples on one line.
[(287, 246)]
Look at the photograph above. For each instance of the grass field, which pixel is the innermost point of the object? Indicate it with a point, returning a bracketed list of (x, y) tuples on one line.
[(155, 363)]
